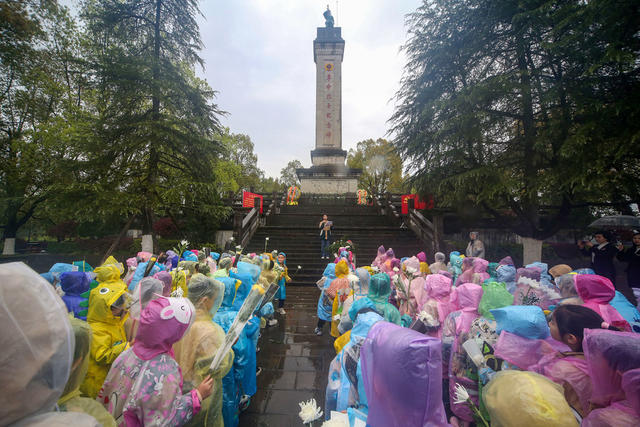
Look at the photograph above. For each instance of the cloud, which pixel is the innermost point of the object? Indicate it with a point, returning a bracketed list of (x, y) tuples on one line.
[(259, 56)]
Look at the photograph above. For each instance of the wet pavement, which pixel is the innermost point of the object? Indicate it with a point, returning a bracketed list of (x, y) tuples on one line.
[(294, 362)]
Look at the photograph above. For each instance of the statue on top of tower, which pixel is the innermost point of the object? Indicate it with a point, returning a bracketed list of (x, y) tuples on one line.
[(328, 18)]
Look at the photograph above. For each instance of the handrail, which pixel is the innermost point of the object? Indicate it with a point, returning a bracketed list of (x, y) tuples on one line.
[(429, 232)]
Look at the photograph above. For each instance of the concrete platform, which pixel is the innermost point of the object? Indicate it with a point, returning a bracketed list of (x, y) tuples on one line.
[(295, 363)]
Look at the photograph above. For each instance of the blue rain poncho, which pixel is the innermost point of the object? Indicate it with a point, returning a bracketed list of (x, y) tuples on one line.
[(325, 304)]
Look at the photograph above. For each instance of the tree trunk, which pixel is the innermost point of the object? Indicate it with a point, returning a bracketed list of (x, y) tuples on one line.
[(531, 250), (147, 243), (9, 246)]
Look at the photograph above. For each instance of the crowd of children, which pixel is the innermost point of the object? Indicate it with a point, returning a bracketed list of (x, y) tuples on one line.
[(472, 342), (448, 343), (107, 347)]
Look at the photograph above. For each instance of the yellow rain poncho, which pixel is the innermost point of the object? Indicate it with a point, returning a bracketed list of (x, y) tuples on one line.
[(71, 400), (109, 338), (526, 399), (194, 352)]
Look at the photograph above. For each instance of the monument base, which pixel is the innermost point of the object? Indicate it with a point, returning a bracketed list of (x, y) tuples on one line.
[(329, 179)]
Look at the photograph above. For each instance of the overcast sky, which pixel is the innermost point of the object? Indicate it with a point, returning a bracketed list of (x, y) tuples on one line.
[(259, 56)]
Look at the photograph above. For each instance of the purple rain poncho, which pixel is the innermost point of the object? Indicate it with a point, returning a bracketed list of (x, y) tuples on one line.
[(402, 375)]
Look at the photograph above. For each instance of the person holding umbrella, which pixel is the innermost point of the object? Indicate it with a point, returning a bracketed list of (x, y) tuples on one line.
[(602, 254), (631, 255)]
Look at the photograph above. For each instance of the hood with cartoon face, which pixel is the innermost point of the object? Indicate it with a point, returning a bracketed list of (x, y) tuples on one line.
[(101, 298), (456, 260), (380, 288), (162, 322)]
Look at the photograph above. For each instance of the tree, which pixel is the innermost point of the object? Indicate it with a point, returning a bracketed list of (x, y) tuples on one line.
[(381, 166), (288, 175), (157, 127), (521, 109), (39, 84)]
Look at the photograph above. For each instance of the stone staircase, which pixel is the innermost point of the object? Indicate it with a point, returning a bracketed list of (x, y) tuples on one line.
[(294, 230)]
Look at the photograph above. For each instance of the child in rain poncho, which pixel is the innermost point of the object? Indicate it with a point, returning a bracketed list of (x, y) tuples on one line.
[(345, 388), (144, 385), (74, 284), (360, 290), (613, 360), (232, 382), (325, 304), (71, 400), (33, 381), (378, 297), (106, 316), (456, 331), (436, 302), (439, 264), (337, 293), (596, 292), (402, 376), (195, 351), (283, 274), (412, 282)]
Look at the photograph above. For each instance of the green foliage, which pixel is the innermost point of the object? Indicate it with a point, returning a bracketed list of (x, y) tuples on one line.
[(288, 175), (381, 166), (522, 109)]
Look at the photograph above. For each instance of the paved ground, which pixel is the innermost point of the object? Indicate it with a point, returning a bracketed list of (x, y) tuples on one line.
[(295, 363)]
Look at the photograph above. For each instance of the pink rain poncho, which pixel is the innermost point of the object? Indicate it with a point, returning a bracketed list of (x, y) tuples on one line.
[(456, 331), (474, 271), (144, 385), (596, 292), (613, 359), (402, 375), (436, 300), (381, 257), (552, 359)]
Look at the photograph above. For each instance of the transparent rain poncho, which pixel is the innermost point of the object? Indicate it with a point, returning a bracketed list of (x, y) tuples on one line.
[(244, 314), (37, 349), (146, 290)]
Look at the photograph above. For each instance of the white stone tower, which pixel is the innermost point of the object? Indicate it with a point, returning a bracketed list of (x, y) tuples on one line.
[(328, 173)]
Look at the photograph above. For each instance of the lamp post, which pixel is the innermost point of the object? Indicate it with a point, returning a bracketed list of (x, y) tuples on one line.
[(266, 241)]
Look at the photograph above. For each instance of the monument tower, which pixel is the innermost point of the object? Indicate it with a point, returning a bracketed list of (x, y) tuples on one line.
[(328, 173)]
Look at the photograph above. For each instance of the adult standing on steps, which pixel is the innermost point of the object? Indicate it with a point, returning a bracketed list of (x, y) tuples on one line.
[(475, 248), (325, 227)]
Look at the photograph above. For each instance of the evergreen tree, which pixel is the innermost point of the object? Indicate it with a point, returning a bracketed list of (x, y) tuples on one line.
[(522, 109), (157, 132)]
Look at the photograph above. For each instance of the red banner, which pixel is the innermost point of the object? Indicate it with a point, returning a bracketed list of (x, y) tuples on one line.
[(417, 203), (248, 199)]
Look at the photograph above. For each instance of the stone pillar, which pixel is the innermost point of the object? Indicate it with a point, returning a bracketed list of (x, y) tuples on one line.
[(328, 51), (147, 243)]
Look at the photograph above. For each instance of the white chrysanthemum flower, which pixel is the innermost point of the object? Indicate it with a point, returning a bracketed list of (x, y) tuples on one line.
[(309, 411), (266, 238), (428, 319), (178, 293), (396, 269), (299, 267), (184, 242), (462, 395)]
